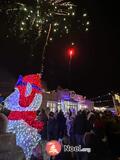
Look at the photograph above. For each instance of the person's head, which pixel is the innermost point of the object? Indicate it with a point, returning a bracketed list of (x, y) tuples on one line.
[(51, 115), (84, 113), (56, 111), (61, 111), (43, 111), (78, 113), (47, 111), (3, 123)]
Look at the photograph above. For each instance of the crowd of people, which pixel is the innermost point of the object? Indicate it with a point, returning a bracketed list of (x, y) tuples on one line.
[(99, 131)]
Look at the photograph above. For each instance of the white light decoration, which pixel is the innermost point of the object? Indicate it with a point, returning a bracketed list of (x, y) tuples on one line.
[(73, 13), (86, 29), (56, 24), (85, 14), (27, 136), (28, 89), (23, 23), (21, 28), (88, 23), (25, 9), (67, 31), (12, 102), (37, 25)]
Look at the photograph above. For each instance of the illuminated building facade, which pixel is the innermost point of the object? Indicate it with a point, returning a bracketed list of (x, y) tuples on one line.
[(64, 99)]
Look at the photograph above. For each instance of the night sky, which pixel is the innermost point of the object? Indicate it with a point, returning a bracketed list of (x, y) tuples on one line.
[(95, 65)]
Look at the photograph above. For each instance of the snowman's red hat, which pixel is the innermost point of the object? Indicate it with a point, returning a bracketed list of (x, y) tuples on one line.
[(33, 79)]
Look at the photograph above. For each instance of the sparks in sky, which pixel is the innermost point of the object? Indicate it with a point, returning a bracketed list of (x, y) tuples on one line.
[(34, 20), (42, 21)]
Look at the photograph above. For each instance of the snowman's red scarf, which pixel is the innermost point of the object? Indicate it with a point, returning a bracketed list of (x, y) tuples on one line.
[(28, 116)]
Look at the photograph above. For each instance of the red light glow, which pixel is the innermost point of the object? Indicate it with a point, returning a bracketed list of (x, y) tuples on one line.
[(71, 52)]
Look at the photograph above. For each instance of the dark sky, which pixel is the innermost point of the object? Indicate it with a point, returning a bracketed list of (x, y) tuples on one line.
[(95, 65)]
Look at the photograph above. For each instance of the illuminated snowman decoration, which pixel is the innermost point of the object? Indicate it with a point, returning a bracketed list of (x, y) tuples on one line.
[(23, 104)]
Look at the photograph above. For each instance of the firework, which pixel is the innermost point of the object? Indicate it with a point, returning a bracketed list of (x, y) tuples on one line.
[(38, 20), (34, 19)]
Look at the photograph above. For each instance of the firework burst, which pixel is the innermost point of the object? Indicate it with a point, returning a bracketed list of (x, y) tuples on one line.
[(26, 19), (40, 20)]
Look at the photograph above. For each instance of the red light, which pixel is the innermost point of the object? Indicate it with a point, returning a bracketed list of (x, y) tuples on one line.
[(71, 52)]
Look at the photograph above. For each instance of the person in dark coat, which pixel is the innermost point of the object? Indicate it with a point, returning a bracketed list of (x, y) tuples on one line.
[(43, 117), (61, 122), (80, 127), (51, 127)]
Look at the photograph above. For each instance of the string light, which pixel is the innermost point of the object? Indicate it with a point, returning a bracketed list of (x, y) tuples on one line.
[(103, 101)]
